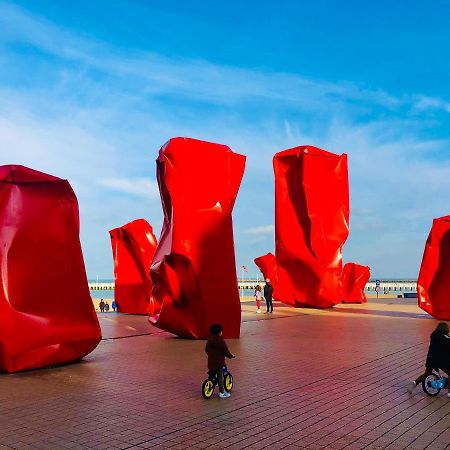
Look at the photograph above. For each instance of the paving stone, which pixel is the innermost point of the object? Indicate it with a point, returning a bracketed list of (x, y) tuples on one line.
[(303, 379)]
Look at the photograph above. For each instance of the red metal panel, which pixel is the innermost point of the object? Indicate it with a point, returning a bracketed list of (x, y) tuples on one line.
[(311, 224), (267, 264), (354, 280), (433, 285), (194, 268), (46, 312), (133, 247)]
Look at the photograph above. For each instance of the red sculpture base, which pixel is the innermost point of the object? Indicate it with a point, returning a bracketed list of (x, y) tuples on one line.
[(354, 280), (133, 247), (267, 264)]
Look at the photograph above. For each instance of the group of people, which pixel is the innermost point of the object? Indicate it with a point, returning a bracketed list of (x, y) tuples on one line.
[(438, 356), (216, 347), (104, 306), (268, 292)]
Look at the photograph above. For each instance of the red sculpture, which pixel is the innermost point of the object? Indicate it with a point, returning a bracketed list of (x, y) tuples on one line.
[(311, 225), (434, 278), (354, 280), (267, 264), (46, 312), (194, 270), (133, 247)]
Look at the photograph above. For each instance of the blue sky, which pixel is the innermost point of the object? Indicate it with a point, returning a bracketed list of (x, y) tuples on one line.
[(89, 91)]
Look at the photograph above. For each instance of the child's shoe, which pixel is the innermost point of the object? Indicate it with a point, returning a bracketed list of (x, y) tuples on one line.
[(259, 311), (224, 394), (411, 386)]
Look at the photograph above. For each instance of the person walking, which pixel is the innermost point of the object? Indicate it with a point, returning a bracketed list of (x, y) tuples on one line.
[(268, 291), (101, 305), (106, 307), (258, 296), (438, 356)]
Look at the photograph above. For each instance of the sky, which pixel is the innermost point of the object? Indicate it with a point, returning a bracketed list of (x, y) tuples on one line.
[(89, 91)]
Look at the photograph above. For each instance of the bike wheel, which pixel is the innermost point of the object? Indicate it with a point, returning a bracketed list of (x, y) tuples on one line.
[(228, 381), (208, 388), (426, 385)]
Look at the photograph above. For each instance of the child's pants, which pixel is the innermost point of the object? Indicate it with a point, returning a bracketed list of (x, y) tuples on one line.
[(258, 304), (220, 380)]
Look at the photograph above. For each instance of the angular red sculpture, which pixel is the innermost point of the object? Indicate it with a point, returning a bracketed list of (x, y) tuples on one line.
[(133, 247), (354, 280), (267, 264), (311, 225), (434, 278), (194, 269), (46, 312)]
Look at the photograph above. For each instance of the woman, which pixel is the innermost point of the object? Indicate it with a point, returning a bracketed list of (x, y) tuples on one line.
[(438, 355), (258, 297)]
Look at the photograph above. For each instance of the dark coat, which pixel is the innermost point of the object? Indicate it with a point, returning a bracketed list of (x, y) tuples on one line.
[(439, 351), (268, 291), (216, 349)]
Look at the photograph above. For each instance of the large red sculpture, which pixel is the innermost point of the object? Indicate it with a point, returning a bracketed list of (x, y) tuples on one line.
[(354, 280), (133, 247), (311, 225), (433, 285), (194, 270), (46, 312)]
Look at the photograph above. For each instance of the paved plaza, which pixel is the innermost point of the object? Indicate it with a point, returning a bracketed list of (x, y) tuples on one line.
[(303, 379)]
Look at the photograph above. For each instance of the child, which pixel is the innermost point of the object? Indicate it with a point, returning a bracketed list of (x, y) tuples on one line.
[(217, 349), (258, 298), (438, 355)]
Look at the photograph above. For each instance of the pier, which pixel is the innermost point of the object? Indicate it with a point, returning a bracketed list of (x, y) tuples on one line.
[(250, 284), (102, 286)]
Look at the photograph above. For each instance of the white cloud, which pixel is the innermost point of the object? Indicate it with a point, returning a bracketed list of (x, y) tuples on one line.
[(424, 103), (192, 79), (60, 146), (103, 136), (140, 187), (260, 231)]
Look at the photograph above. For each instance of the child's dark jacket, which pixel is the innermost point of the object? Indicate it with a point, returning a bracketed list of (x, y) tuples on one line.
[(439, 351), (216, 349)]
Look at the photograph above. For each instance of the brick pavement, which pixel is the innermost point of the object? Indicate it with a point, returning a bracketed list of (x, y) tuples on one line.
[(303, 379)]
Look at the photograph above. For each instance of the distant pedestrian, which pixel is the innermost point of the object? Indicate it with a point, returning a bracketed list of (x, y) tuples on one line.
[(217, 349), (106, 307), (114, 305), (101, 305), (258, 296), (268, 292), (438, 356)]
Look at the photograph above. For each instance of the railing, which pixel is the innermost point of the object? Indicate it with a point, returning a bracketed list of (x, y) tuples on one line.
[(385, 285), (94, 286)]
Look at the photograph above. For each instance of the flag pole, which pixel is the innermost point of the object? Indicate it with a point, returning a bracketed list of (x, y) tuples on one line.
[(242, 283)]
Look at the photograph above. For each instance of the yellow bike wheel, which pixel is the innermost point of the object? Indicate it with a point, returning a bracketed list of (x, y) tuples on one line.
[(228, 382), (207, 389)]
